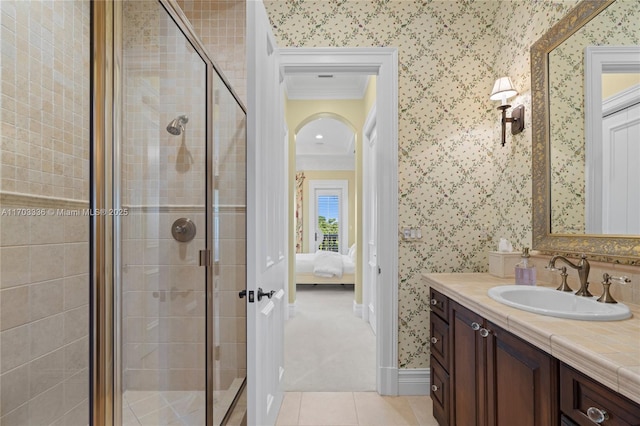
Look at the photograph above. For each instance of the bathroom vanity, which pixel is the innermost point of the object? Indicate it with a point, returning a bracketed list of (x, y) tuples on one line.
[(492, 364)]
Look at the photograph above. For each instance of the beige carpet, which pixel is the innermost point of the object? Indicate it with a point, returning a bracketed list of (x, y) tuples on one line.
[(328, 348)]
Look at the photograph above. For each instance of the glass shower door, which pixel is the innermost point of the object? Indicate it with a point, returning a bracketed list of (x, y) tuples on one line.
[(229, 315), (163, 228)]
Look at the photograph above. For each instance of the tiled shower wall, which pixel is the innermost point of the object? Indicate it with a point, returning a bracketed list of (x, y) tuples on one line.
[(454, 177), (221, 26), (163, 179), (44, 171)]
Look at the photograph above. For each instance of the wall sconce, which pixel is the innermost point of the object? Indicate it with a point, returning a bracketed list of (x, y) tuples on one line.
[(503, 90)]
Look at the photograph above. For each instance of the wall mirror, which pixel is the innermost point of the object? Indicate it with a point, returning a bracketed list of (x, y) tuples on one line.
[(567, 213)]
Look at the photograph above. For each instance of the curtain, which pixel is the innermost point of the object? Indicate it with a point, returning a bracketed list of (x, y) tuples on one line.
[(299, 182)]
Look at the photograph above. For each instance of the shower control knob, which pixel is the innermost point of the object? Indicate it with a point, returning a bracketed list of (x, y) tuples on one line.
[(183, 230)]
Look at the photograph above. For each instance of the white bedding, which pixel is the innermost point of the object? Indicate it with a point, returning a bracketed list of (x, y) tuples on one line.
[(305, 263), (327, 264)]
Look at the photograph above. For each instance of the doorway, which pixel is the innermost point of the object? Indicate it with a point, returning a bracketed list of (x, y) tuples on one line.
[(381, 62), (327, 347)]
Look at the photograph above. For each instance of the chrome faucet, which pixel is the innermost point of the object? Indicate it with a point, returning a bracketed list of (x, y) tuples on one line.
[(582, 267)]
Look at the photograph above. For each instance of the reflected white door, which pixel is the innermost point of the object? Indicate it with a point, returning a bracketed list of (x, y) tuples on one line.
[(370, 252), (266, 222), (621, 174)]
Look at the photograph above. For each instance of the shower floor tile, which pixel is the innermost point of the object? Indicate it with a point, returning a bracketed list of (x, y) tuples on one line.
[(164, 408), (157, 408)]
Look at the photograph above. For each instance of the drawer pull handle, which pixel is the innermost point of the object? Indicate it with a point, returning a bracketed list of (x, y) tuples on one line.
[(434, 388), (434, 302), (484, 332), (475, 326), (434, 340), (597, 415)]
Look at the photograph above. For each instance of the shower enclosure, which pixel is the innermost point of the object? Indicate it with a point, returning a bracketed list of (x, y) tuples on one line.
[(178, 220), (122, 218)]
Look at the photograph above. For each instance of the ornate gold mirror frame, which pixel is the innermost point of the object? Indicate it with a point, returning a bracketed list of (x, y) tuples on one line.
[(606, 248)]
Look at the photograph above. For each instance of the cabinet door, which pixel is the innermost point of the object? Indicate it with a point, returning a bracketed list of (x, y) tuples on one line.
[(440, 392), (439, 340), (579, 393), (522, 382), (467, 368)]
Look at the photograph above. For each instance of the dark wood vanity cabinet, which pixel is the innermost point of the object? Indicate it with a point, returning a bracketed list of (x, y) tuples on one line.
[(491, 376), (581, 396), (467, 368), (522, 381), (483, 375), (439, 360)]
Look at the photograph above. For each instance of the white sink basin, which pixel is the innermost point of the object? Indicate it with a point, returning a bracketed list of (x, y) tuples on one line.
[(547, 301)]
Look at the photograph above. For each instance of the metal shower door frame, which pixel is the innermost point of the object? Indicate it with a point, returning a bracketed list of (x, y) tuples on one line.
[(105, 305)]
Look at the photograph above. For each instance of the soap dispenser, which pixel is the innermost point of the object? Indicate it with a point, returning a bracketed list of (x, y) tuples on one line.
[(525, 273)]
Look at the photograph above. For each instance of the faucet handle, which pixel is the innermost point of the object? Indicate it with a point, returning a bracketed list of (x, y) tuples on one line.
[(620, 280), (563, 273), (606, 283)]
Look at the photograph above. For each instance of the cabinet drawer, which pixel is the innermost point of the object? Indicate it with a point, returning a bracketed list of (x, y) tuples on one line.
[(440, 393), (439, 304), (579, 393), (439, 340)]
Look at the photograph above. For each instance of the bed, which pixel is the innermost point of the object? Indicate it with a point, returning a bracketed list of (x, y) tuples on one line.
[(310, 268)]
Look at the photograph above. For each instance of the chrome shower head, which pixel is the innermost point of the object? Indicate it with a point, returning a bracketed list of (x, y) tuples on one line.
[(176, 127)]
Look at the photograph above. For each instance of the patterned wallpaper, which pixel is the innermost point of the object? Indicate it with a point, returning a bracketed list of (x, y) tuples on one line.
[(611, 27), (455, 179)]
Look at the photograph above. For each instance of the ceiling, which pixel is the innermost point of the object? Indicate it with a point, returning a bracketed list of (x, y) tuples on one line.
[(325, 86), (336, 149)]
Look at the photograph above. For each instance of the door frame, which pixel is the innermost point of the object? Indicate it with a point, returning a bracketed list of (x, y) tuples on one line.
[(383, 62), (368, 232)]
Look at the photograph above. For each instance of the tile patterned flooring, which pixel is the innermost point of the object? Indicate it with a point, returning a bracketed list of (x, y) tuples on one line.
[(184, 408), (354, 408), (142, 408), (153, 408)]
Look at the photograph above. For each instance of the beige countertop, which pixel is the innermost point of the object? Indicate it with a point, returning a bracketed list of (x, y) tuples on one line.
[(607, 351)]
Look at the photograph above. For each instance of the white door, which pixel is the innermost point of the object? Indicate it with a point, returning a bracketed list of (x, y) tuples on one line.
[(370, 251), (620, 172), (329, 215), (266, 222)]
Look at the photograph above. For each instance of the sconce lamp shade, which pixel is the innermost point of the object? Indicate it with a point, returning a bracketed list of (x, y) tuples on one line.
[(502, 90)]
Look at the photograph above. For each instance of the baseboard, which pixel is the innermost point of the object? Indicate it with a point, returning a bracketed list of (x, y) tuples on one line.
[(387, 381), (415, 381), (292, 310), (357, 309)]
